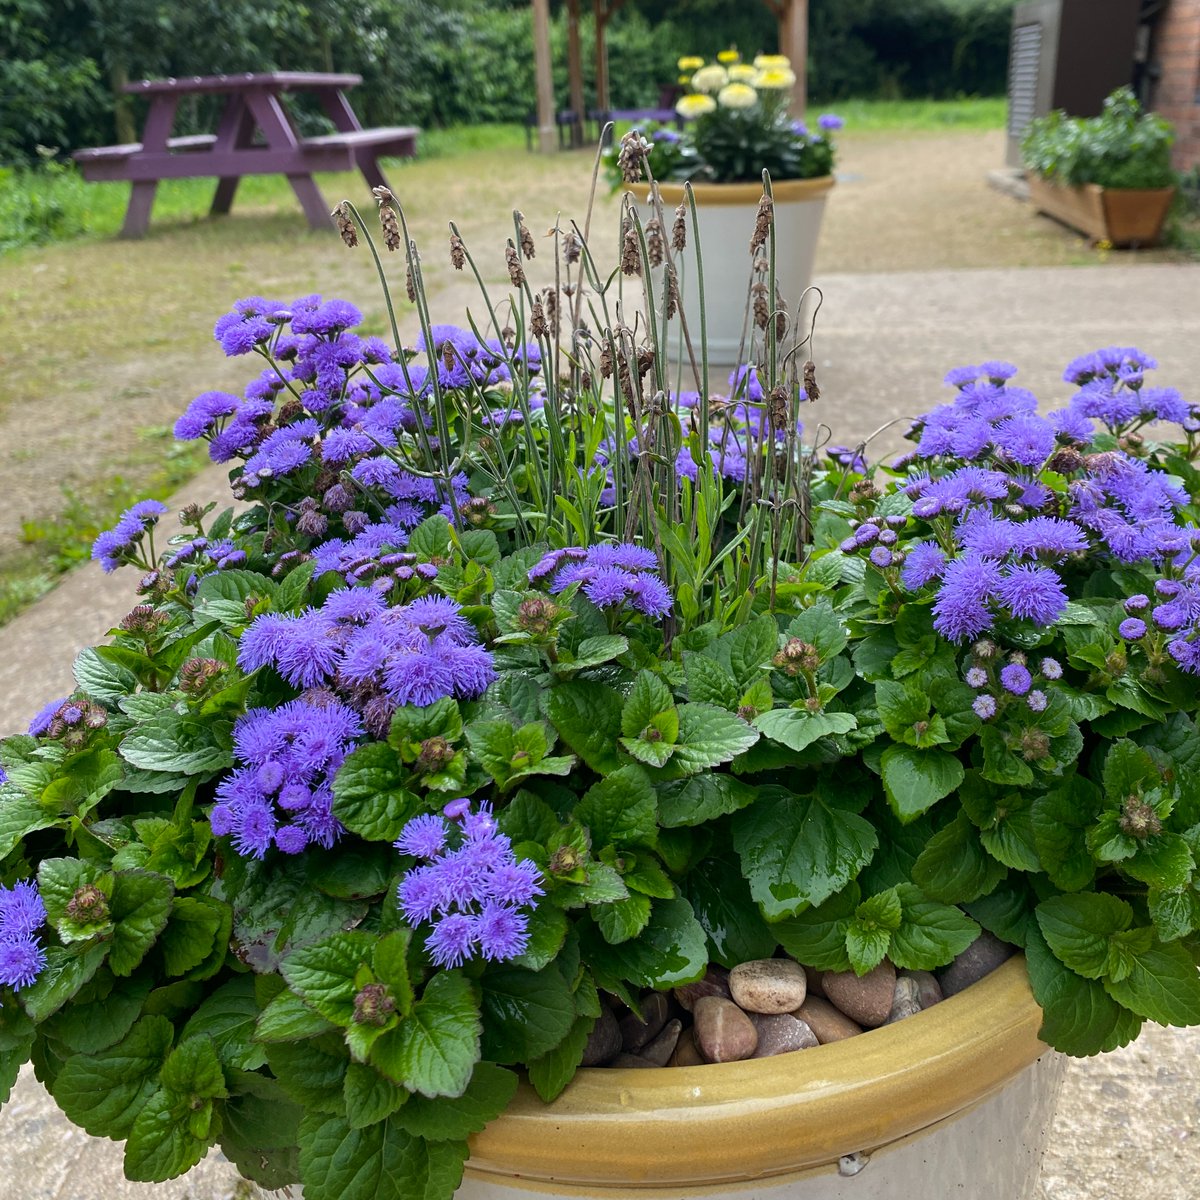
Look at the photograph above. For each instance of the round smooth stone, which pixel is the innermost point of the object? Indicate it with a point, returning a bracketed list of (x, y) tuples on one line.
[(604, 1042), (906, 1000), (637, 1031), (768, 985), (929, 991), (781, 1033), (686, 1054), (659, 1051), (980, 958), (866, 999), (632, 1062), (722, 1031), (714, 983), (829, 1024)]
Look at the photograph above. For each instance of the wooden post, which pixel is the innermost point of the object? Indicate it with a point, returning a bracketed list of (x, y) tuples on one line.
[(547, 129), (575, 71), (793, 41), (602, 15)]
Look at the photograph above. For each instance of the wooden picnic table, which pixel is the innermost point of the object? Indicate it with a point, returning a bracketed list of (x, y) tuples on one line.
[(254, 137)]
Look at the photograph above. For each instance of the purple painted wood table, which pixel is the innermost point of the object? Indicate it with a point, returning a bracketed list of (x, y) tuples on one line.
[(254, 137)]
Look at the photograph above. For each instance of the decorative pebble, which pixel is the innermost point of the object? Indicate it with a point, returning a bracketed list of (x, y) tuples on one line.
[(929, 991), (866, 999), (781, 1033), (632, 1062), (906, 1001), (768, 985), (659, 1050), (714, 983), (604, 1041), (686, 1054), (980, 958), (722, 1031), (829, 1024), (814, 982), (637, 1031)]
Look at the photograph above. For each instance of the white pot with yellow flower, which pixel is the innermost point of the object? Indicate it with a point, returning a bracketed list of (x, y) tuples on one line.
[(737, 127)]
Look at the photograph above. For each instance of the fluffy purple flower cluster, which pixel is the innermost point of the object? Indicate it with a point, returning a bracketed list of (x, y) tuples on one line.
[(1004, 684), (471, 888), (462, 359), (610, 576), (119, 545), (200, 552), (281, 794), (1172, 615), (1112, 390), (375, 657), (22, 914)]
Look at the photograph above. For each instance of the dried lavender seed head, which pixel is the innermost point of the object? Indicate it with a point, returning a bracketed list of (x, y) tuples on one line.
[(345, 224), (458, 252), (679, 227), (527, 247), (655, 249), (631, 259), (572, 247), (537, 321), (515, 271), (762, 224), (632, 155), (811, 390)]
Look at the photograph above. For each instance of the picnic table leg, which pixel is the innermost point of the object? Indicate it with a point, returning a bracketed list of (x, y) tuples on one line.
[(235, 132), (273, 121), (311, 200), (137, 215), (159, 120), (369, 166)]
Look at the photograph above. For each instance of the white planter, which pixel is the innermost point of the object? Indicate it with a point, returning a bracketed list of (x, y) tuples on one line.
[(726, 214)]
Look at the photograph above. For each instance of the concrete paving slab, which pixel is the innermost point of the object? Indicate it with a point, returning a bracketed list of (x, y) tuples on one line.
[(1128, 1126)]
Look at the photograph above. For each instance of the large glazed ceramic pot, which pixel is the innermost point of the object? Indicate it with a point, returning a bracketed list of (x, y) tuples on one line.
[(954, 1101), (726, 214)]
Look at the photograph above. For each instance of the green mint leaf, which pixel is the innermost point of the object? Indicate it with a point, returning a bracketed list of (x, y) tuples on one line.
[(288, 1019), (622, 919), (587, 716), (817, 936), (350, 872), (371, 1097), (648, 697), (708, 682), (1060, 820), (228, 1016), (797, 728), (556, 1068), (799, 850), (160, 1145), (260, 1135), (104, 1092), (198, 926), (113, 1006), (182, 744), (866, 947), (1005, 823), (19, 817), (621, 809), (486, 1097), (702, 798), (671, 950), (435, 1048), (954, 867), (708, 737), (547, 932), (1078, 1016), (379, 1162), (369, 796), (1078, 929), (915, 780), (312, 1073), (747, 650), (58, 881), (591, 652), (721, 900), (1175, 914), (193, 1072), (929, 934), (1162, 985), (525, 1014), (1164, 860), (324, 975), (820, 626), (140, 908), (67, 969), (883, 911)]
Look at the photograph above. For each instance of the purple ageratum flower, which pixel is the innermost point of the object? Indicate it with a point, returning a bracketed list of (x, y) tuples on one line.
[(830, 122), (1171, 616), (471, 893), (984, 707), (881, 557), (1186, 653), (1132, 628), (977, 677), (1036, 701), (961, 610), (610, 575), (22, 960), (114, 546), (1033, 593), (925, 563), (1051, 668), (312, 315), (1016, 679), (1137, 603), (200, 417), (42, 718), (1026, 439), (250, 324), (22, 912)]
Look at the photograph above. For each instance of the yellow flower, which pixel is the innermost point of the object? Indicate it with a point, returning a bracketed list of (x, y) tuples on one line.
[(742, 73), (728, 56), (684, 79), (737, 95), (775, 78), (710, 79), (690, 62), (769, 62), (695, 105)]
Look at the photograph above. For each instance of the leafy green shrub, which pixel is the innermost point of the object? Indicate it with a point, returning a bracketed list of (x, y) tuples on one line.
[(1121, 148)]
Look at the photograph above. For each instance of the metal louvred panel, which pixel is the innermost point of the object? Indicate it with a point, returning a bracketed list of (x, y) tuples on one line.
[(1023, 71)]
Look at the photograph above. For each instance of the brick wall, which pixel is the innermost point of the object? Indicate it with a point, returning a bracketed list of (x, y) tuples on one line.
[(1176, 54)]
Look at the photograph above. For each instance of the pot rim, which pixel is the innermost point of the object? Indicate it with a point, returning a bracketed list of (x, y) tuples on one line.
[(741, 1121), (710, 194)]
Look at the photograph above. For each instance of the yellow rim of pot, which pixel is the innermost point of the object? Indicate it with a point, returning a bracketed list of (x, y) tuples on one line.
[(710, 194), (740, 1121)]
